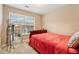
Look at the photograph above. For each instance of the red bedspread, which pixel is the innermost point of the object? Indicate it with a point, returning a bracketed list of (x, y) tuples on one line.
[(50, 43)]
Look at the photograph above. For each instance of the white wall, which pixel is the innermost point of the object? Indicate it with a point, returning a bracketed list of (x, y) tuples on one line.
[(1, 14), (64, 20)]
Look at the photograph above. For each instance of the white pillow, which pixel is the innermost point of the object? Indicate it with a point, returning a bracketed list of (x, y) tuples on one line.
[(72, 39)]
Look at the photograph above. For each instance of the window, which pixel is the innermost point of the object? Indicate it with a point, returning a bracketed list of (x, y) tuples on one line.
[(27, 23)]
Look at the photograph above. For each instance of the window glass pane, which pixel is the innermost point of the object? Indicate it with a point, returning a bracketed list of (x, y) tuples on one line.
[(29, 20), (16, 19)]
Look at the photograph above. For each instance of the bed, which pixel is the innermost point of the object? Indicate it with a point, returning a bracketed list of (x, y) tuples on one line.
[(50, 43)]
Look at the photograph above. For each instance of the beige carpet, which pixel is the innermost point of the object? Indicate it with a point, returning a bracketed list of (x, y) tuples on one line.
[(20, 48)]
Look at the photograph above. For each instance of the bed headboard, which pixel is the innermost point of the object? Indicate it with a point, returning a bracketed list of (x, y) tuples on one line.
[(37, 32)]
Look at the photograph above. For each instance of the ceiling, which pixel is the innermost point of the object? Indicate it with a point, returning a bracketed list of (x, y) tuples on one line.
[(37, 8)]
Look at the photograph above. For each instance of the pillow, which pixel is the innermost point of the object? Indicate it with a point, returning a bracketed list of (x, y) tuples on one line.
[(75, 43), (74, 40)]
